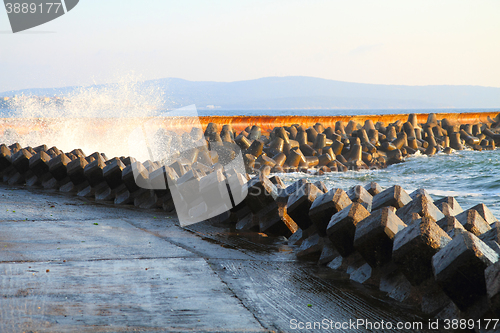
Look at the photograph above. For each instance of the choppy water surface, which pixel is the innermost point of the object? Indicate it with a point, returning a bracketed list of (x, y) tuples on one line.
[(471, 176)]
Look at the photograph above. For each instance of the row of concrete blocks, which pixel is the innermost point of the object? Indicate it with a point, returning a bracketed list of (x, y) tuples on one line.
[(428, 253), (120, 180), (351, 146)]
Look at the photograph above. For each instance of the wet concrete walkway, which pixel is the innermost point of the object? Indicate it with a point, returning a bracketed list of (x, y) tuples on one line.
[(68, 264)]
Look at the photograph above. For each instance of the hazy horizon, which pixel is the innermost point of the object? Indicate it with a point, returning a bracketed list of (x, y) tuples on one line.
[(387, 42)]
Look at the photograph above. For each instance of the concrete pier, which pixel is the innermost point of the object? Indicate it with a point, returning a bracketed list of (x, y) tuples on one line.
[(68, 264)]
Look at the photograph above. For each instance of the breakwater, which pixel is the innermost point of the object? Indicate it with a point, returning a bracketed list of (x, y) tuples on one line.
[(431, 254)]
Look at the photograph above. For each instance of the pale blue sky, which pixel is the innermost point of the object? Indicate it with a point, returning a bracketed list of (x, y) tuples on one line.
[(386, 42)]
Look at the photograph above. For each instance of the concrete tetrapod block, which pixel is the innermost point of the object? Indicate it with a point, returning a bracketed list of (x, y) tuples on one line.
[(421, 192), (374, 236), (448, 206), (300, 202), (274, 220), (58, 166), (39, 165), (328, 253), (373, 188), (394, 196), (459, 269), (160, 180), (414, 248), (421, 206), (283, 194), (214, 191), (485, 213), (492, 237), (342, 227), (450, 225), (112, 172), (5, 158), (111, 176), (261, 193), (492, 277), (93, 173), (188, 186), (296, 238), (360, 195), (473, 222), (325, 206), (248, 222), (493, 234), (135, 178), (21, 161), (311, 247), (76, 173)]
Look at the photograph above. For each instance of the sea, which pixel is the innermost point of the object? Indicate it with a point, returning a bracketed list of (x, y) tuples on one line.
[(472, 177)]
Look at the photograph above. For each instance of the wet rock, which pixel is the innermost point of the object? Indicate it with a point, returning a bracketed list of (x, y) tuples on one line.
[(459, 269), (394, 196), (415, 246), (374, 236), (342, 227), (326, 205)]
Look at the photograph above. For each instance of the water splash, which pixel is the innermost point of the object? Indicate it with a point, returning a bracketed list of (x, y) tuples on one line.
[(79, 109)]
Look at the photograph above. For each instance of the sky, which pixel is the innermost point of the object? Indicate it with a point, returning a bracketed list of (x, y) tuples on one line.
[(452, 42)]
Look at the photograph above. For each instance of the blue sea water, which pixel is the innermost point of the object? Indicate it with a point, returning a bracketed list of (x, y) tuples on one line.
[(332, 112)]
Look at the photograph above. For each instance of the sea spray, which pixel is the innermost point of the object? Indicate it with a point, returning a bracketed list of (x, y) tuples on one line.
[(66, 121)]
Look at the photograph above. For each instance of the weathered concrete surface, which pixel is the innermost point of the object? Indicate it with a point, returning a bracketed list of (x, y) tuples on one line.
[(68, 264)]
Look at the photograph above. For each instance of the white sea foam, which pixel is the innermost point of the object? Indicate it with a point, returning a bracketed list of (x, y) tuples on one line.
[(84, 108)]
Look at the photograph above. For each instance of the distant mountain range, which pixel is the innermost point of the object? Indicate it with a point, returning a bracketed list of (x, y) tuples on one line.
[(294, 92)]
